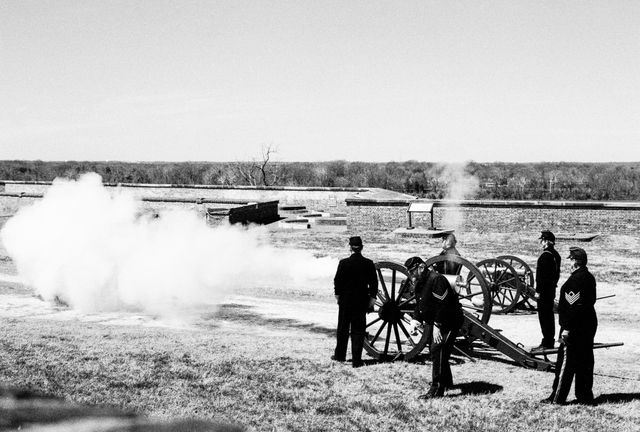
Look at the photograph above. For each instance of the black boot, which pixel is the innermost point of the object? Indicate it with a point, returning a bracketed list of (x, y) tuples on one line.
[(434, 392)]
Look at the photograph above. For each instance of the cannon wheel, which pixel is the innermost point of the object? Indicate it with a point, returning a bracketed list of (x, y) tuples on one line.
[(526, 275), (388, 333), (389, 336), (504, 284), (471, 286)]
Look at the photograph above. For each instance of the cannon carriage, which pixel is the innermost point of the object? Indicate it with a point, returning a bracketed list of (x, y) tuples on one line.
[(491, 286)]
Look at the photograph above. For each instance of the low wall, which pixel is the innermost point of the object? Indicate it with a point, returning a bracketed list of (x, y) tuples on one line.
[(317, 199), (376, 215), (215, 211), (380, 210), (499, 216)]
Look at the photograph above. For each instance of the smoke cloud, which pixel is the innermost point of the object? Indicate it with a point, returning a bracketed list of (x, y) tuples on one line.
[(460, 185), (91, 248)]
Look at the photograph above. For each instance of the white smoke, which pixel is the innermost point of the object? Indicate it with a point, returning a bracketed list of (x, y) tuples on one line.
[(460, 186), (91, 248)]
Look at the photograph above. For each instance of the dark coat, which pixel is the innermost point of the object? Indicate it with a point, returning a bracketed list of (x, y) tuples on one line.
[(448, 267), (548, 272), (576, 311), (436, 302), (356, 281)]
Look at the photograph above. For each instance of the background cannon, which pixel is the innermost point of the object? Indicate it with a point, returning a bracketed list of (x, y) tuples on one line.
[(528, 293), (504, 284)]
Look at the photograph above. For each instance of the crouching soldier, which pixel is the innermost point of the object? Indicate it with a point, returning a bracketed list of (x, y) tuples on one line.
[(437, 305), (578, 324)]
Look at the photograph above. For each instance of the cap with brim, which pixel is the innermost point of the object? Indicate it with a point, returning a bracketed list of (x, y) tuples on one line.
[(355, 241), (547, 235), (413, 262), (578, 254)]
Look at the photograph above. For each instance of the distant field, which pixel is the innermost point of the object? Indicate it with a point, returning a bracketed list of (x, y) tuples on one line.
[(268, 373)]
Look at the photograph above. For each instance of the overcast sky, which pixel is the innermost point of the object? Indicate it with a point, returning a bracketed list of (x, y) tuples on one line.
[(320, 80)]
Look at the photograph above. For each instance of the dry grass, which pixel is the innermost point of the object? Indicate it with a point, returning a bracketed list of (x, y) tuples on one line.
[(269, 374)]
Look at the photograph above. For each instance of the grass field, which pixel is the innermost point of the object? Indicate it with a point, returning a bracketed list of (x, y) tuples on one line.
[(268, 373)]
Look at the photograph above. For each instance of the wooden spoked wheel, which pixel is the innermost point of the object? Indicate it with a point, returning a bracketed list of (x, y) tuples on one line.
[(388, 334), (469, 283), (525, 274), (504, 284)]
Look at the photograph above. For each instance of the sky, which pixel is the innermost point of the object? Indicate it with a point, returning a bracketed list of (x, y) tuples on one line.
[(318, 80)]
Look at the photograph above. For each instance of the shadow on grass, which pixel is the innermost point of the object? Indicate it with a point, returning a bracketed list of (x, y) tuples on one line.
[(235, 312), (476, 388), (617, 398), (455, 359), (496, 356)]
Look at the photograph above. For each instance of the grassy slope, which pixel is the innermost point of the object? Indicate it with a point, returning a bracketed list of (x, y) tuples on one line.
[(276, 375)]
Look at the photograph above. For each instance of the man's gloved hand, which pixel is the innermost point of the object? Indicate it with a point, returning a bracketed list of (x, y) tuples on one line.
[(437, 334), (372, 302), (414, 326), (337, 299), (564, 334)]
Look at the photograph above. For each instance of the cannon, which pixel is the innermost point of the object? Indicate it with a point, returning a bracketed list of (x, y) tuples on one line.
[(505, 283), (491, 285), (525, 276)]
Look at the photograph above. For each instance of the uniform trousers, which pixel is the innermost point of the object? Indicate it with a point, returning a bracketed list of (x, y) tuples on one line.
[(575, 357), (350, 320), (441, 377), (547, 320)]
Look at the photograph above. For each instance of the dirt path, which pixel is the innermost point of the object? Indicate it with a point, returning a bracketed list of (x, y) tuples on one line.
[(520, 328)]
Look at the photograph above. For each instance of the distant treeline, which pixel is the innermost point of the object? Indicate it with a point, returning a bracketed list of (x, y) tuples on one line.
[(521, 181)]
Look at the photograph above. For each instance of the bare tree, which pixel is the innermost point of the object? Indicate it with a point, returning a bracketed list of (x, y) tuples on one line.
[(261, 172), (268, 172)]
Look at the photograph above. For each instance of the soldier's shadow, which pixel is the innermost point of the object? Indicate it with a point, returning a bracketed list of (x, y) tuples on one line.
[(617, 398), (425, 358), (474, 388)]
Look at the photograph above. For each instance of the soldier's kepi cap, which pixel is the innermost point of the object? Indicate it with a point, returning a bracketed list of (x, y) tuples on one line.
[(578, 254), (413, 262), (355, 241), (547, 235)]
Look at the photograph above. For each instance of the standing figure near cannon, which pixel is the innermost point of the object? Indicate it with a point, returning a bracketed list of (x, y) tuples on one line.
[(438, 306), (355, 288), (448, 248), (547, 276), (578, 325)]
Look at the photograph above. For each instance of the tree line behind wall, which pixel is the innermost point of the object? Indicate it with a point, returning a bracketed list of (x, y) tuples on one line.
[(519, 181)]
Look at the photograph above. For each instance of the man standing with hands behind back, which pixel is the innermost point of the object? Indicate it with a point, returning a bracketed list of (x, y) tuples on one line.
[(547, 275), (356, 288)]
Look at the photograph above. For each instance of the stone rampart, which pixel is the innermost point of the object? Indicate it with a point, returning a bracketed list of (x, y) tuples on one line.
[(499, 216)]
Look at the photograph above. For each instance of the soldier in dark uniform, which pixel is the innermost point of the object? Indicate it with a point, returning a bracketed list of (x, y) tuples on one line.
[(437, 305), (356, 288), (547, 275), (578, 324), (448, 248)]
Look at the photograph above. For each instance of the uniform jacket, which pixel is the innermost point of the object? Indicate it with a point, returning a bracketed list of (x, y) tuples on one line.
[(356, 281), (436, 302), (576, 310), (548, 272), (448, 267)]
